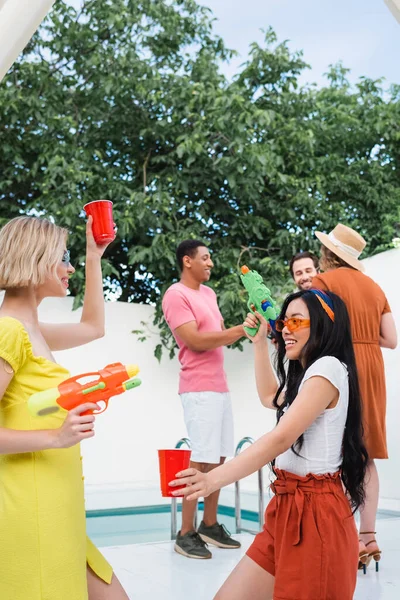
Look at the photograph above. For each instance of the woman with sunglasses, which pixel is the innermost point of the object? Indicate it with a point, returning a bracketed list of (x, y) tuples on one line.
[(308, 548), (44, 551)]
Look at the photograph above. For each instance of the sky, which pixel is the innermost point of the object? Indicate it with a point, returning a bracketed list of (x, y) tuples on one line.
[(363, 34)]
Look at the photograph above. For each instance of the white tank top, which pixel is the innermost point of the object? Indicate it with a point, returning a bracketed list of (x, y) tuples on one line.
[(322, 447)]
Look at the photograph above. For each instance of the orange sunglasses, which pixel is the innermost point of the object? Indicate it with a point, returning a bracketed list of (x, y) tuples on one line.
[(292, 324)]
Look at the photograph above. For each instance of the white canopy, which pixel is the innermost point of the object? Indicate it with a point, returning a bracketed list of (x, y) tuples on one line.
[(19, 19), (394, 6)]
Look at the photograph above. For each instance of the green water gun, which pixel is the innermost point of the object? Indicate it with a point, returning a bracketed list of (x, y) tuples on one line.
[(260, 299)]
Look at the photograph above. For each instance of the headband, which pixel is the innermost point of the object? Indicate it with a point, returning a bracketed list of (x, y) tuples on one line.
[(325, 302)]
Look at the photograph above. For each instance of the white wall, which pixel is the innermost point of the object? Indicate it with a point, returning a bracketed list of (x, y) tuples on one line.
[(121, 461), (122, 458), (385, 269)]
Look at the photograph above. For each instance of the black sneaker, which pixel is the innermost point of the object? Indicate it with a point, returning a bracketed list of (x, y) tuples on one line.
[(217, 535), (191, 545)]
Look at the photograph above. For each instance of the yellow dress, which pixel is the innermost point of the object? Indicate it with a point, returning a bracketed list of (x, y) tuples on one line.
[(43, 545)]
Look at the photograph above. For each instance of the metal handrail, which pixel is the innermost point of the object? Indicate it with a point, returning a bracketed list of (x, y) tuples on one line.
[(179, 444), (182, 442), (238, 515)]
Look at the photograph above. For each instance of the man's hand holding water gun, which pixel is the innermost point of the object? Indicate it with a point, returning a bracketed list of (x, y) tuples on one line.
[(260, 299)]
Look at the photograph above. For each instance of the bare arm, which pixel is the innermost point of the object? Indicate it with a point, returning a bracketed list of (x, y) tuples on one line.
[(91, 326), (74, 429), (13, 441), (315, 396), (266, 382), (200, 341), (388, 333)]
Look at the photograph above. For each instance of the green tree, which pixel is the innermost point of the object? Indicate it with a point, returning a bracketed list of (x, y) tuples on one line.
[(126, 100)]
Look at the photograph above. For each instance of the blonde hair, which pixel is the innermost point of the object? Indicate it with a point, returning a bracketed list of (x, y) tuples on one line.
[(329, 260), (30, 251)]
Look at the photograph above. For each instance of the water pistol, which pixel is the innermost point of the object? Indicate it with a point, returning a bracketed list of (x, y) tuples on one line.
[(114, 379), (260, 299)]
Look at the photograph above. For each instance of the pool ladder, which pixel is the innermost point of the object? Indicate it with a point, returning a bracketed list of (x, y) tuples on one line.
[(238, 514)]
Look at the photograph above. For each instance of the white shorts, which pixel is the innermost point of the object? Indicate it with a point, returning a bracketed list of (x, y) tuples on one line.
[(209, 423)]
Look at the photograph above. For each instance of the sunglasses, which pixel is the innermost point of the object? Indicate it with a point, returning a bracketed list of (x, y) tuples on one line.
[(66, 257), (292, 324)]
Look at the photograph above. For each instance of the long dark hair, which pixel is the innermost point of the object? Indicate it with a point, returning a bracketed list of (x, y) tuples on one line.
[(327, 338)]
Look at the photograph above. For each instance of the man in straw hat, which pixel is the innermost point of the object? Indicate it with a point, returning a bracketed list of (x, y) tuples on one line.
[(373, 327)]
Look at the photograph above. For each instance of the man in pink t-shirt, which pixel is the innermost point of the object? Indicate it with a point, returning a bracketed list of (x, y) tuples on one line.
[(192, 313)]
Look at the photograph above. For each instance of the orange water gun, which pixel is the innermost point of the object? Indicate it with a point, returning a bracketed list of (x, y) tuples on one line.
[(114, 379)]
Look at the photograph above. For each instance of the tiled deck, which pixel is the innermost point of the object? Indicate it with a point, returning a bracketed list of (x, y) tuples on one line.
[(155, 572)]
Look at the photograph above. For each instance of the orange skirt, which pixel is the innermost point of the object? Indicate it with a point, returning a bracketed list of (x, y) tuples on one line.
[(309, 541)]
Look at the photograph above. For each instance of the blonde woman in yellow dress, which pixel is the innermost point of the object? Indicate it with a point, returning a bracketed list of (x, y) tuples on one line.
[(44, 551)]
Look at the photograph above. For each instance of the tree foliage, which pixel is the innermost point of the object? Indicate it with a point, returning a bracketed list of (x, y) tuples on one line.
[(126, 100)]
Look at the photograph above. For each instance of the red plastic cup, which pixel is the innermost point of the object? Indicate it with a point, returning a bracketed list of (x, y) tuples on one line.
[(103, 225), (171, 462)]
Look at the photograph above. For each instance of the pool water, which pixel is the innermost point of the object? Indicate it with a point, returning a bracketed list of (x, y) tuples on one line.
[(119, 527), (141, 524)]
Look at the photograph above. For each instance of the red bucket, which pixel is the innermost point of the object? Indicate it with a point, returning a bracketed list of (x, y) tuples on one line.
[(103, 225), (171, 462)]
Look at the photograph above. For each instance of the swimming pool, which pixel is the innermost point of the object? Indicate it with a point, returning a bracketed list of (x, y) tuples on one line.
[(122, 526), (140, 524)]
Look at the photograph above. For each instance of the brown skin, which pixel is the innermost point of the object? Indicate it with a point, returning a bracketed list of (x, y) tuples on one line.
[(303, 273), (196, 271), (210, 503)]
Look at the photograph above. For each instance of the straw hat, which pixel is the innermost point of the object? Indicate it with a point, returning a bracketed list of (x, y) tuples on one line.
[(346, 243)]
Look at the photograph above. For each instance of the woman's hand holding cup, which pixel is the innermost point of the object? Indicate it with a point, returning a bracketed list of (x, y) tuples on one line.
[(100, 227)]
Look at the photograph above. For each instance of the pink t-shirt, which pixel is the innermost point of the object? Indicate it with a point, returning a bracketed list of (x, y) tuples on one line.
[(200, 371)]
